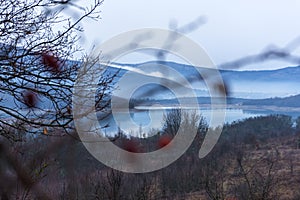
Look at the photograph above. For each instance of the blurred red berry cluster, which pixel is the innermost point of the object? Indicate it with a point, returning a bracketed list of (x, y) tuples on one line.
[(164, 141), (131, 146), (30, 99), (51, 62)]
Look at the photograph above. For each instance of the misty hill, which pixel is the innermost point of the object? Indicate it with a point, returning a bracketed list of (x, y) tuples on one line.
[(292, 101), (243, 84), (247, 83), (284, 74)]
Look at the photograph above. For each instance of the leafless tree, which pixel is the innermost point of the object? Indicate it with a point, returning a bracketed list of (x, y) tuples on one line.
[(261, 179), (37, 42), (38, 39), (172, 121)]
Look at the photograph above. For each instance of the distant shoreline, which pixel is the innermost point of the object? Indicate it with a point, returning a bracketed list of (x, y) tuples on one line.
[(228, 106)]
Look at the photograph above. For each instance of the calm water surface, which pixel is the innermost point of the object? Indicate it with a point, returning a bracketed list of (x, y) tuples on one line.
[(143, 121)]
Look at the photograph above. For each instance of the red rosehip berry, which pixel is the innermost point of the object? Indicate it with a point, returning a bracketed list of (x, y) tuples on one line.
[(131, 146), (164, 141), (30, 99), (51, 62)]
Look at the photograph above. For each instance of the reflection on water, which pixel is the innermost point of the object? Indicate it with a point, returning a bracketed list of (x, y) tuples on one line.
[(143, 121)]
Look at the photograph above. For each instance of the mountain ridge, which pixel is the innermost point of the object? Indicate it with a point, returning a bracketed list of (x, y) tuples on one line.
[(257, 84)]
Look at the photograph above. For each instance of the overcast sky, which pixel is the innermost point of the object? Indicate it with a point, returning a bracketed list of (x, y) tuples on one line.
[(233, 28)]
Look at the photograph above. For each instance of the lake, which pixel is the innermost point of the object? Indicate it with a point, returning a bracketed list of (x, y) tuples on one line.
[(146, 120), (143, 121)]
